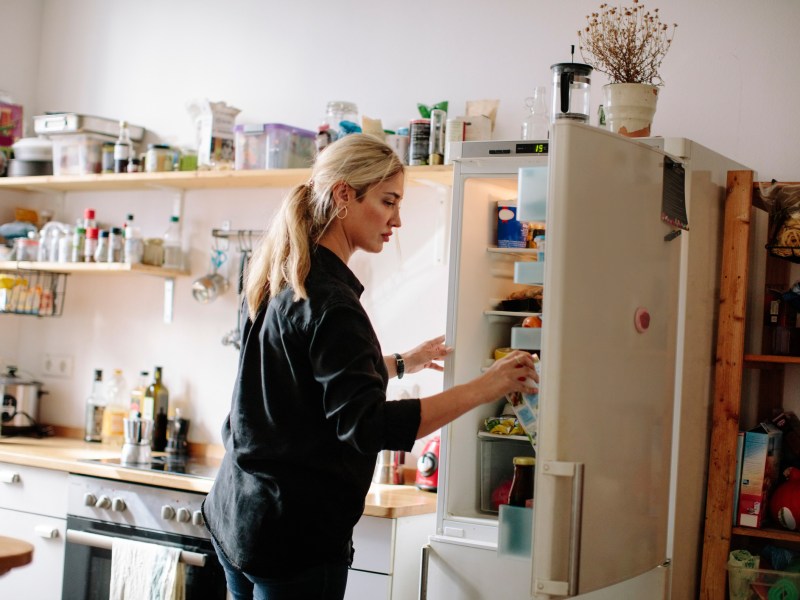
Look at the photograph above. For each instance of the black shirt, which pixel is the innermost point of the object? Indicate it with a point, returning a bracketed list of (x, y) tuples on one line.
[(308, 416)]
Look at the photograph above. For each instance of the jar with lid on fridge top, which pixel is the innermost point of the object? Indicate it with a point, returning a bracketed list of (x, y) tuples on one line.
[(338, 111)]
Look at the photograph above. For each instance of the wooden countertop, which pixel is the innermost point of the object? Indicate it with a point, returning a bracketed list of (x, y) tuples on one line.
[(67, 454)]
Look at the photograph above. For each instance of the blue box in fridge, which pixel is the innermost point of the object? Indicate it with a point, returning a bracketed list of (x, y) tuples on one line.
[(511, 233)]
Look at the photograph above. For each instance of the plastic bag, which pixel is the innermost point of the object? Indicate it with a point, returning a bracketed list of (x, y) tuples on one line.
[(783, 203)]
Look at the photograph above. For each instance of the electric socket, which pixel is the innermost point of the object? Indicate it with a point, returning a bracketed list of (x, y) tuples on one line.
[(57, 365)]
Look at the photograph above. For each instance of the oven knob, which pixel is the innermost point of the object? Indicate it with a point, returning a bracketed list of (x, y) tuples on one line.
[(184, 516), (118, 504), (197, 518), (89, 499), (167, 512), (103, 502)]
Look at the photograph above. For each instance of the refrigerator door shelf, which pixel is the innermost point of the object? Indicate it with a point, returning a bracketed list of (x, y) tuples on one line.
[(531, 273), (526, 338)]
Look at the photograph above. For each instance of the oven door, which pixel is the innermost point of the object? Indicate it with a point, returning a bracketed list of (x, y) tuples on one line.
[(87, 563)]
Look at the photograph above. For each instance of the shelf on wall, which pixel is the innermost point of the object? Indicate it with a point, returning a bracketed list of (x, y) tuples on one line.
[(197, 180), (57, 267), (771, 359)]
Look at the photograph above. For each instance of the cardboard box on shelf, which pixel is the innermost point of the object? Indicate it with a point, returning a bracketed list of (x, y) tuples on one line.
[(760, 472)]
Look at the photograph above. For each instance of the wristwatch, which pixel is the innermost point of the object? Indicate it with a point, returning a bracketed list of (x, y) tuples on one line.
[(401, 365)]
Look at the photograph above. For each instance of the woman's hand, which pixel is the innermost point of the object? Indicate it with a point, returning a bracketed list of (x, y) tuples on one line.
[(422, 356), (514, 372)]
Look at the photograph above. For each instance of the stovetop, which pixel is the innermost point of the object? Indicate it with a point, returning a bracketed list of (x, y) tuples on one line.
[(191, 466)]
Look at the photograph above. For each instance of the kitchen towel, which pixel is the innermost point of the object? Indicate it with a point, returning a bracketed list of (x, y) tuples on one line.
[(142, 571)]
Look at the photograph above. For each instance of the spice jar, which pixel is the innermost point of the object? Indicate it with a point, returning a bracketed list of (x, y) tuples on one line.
[(159, 157), (522, 485)]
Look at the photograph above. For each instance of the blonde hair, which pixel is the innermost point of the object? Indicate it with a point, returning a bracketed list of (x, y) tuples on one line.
[(283, 258)]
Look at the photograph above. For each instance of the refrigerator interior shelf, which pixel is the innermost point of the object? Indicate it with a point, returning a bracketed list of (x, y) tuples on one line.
[(505, 315), (519, 251), (500, 436)]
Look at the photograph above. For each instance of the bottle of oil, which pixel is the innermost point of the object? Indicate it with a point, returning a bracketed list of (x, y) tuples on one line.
[(116, 409), (95, 406), (156, 407)]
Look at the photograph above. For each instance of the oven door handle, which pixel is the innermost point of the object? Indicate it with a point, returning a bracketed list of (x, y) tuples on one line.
[(95, 540)]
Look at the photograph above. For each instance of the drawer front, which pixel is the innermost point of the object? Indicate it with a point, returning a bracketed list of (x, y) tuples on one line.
[(33, 490), (41, 578), (373, 540), (362, 585)]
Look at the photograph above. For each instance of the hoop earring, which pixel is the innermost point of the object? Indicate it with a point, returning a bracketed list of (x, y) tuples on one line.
[(341, 214)]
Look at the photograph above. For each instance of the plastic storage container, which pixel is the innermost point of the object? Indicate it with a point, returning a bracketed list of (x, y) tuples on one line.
[(79, 154), (273, 146), (497, 466), (758, 584)]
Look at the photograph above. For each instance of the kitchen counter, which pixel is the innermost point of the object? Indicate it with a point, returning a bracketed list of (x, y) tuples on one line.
[(67, 454)]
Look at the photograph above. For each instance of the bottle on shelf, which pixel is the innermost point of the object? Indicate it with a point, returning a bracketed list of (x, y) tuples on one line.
[(522, 484), (134, 246), (156, 407), (78, 244), (101, 253), (173, 253), (115, 245), (138, 392), (123, 149), (95, 406), (116, 409), (90, 245), (88, 218)]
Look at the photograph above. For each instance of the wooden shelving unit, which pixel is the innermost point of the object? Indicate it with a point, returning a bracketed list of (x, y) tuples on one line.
[(70, 268), (196, 180), (720, 536)]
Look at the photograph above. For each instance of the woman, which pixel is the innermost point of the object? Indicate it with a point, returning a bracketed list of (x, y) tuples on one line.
[(309, 411)]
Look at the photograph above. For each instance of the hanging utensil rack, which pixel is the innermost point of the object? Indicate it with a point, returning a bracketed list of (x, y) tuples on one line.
[(244, 238)]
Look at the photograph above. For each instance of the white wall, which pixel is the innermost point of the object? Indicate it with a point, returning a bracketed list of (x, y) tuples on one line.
[(727, 87)]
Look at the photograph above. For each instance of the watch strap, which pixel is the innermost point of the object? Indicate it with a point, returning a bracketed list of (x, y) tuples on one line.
[(401, 365)]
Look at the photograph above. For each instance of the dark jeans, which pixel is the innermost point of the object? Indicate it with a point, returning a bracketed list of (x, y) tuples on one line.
[(322, 582)]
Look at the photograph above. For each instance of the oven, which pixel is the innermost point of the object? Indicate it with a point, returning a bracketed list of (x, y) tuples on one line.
[(99, 510)]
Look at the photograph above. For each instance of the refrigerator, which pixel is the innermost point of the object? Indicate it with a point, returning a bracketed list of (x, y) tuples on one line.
[(627, 342)]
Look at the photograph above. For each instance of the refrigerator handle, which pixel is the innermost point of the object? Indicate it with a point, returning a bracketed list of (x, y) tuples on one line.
[(575, 529), (570, 587), (423, 572)]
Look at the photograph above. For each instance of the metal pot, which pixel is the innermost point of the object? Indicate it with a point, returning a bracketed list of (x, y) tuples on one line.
[(20, 409)]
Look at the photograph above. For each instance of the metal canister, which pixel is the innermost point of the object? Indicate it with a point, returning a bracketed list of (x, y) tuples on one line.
[(436, 143), (420, 135)]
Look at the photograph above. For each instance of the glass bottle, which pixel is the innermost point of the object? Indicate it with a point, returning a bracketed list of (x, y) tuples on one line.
[(156, 407), (337, 111), (90, 245), (137, 394), (522, 484), (78, 244), (88, 218), (101, 253), (95, 406), (173, 255), (536, 125), (123, 149), (115, 244), (116, 409)]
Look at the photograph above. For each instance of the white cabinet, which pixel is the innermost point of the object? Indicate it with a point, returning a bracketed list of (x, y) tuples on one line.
[(33, 507), (387, 559)]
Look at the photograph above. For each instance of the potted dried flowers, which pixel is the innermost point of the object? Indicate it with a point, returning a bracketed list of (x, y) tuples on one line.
[(628, 44)]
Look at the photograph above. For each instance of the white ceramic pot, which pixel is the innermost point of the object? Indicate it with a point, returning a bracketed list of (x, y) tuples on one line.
[(630, 107)]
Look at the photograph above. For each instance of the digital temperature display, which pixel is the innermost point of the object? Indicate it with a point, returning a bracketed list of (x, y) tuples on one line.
[(532, 148)]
